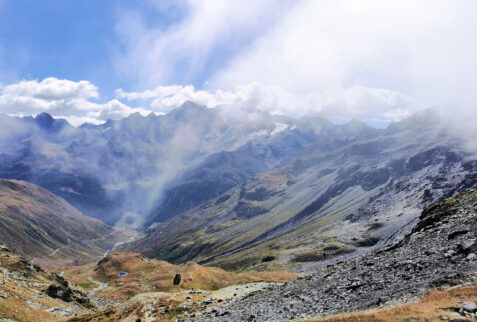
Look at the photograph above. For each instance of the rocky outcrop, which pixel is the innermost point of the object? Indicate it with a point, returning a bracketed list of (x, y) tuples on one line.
[(177, 279), (67, 294), (28, 293), (440, 250), (64, 292)]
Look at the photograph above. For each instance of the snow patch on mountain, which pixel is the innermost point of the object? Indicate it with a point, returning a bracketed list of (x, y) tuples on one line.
[(279, 127)]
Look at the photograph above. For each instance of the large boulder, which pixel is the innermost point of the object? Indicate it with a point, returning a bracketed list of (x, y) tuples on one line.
[(60, 292), (177, 279)]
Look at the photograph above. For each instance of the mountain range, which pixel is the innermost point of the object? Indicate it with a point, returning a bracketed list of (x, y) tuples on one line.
[(133, 171), (242, 188)]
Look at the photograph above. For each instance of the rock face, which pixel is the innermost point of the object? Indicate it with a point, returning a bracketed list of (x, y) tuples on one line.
[(423, 259), (65, 293)]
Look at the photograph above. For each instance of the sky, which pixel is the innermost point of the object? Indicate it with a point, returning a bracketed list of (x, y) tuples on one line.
[(378, 61)]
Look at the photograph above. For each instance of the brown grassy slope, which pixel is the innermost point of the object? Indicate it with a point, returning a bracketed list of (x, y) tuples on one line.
[(430, 308), (35, 223), (150, 275)]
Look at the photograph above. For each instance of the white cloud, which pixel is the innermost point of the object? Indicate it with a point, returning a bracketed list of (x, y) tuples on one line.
[(370, 59), (323, 44), (52, 89), (421, 49), (177, 53), (61, 98), (344, 58), (115, 110), (349, 103)]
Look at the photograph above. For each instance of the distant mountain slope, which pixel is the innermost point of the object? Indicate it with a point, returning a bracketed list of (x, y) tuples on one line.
[(342, 197), (227, 169), (45, 228), (123, 171)]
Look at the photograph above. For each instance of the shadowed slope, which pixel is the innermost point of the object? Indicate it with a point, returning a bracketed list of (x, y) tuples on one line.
[(47, 229)]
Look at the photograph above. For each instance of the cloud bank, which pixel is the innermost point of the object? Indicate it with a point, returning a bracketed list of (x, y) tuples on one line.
[(369, 59), (74, 101), (354, 102), (379, 61)]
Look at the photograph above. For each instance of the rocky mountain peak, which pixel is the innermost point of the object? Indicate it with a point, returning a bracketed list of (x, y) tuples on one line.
[(48, 123)]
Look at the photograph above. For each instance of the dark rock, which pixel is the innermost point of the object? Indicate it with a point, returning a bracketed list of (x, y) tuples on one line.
[(60, 279), (268, 258), (367, 242), (177, 279), (38, 269), (61, 292), (82, 299), (456, 233), (4, 248), (355, 285), (66, 294)]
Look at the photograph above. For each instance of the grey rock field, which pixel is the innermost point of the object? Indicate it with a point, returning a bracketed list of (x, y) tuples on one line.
[(439, 251)]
